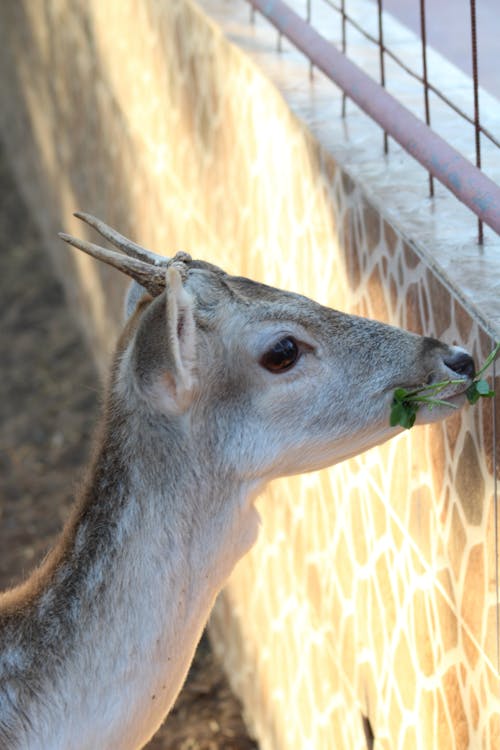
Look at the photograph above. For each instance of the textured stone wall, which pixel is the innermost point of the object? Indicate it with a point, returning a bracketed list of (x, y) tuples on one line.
[(373, 589)]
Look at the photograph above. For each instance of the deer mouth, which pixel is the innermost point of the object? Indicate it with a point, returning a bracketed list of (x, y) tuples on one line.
[(428, 403), (455, 399), (455, 389), (444, 403)]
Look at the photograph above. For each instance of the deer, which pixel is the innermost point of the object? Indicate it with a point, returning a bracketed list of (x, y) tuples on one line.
[(219, 384)]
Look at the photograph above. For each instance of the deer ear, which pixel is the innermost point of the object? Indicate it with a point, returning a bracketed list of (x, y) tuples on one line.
[(135, 293), (181, 333)]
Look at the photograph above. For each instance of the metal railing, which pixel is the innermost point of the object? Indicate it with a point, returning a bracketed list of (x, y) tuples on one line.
[(463, 178)]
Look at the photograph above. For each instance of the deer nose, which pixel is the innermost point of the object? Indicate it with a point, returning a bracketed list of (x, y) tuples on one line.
[(461, 362)]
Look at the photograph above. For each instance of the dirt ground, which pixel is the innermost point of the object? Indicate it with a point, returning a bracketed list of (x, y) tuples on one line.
[(49, 397)]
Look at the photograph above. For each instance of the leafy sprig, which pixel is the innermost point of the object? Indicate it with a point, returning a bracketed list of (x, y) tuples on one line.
[(406, 403)]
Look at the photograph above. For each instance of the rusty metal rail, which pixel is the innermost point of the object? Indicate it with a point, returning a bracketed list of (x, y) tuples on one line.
[(471, 186)]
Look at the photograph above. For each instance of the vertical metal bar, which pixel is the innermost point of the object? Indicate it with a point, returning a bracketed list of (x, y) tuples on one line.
[(423, 36), (308, 19), (497, 511), (382, 61), (252, 14), (344, 48), (475, 78)]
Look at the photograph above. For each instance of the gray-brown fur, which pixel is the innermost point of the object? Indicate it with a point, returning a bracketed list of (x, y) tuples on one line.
[(193, 427)]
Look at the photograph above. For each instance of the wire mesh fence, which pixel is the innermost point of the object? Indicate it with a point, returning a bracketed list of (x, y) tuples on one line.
[(304, 25)]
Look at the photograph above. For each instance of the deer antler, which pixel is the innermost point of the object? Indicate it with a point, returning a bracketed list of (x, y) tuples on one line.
[(147, 268), (122, 243)]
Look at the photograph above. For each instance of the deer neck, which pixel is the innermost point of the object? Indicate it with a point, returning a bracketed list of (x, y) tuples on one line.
[(121, 602)]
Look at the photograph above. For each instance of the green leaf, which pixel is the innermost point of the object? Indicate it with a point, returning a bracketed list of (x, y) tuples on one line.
[(403, 414), (400, 394), (490, 394), (411, 421), (396, 414), (483, 388), (408, 418), (472, 394)]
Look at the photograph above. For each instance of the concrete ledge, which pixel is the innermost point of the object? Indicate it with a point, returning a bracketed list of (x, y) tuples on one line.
[(442, 230)]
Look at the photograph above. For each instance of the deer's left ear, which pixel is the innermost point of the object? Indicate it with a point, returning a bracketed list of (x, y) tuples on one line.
[(135, 293), (179, 380), (163, 353)]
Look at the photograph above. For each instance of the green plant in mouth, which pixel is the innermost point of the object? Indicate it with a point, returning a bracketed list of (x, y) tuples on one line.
[(406, 403)]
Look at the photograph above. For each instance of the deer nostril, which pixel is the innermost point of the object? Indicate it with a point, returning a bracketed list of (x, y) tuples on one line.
[(461, 363)]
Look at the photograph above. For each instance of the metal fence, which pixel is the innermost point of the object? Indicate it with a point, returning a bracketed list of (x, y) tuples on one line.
[(465, 179)]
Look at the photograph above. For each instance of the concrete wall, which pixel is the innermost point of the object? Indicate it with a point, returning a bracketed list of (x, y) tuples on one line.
[(372, 590)]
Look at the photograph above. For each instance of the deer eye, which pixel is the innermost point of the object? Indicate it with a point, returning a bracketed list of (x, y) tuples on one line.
[(282, 356)]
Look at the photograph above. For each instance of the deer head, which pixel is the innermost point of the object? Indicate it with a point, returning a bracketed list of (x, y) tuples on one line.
[(265, 382)]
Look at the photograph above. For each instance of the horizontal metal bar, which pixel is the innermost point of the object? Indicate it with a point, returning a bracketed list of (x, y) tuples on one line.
[(453, 170), (428, 85)]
